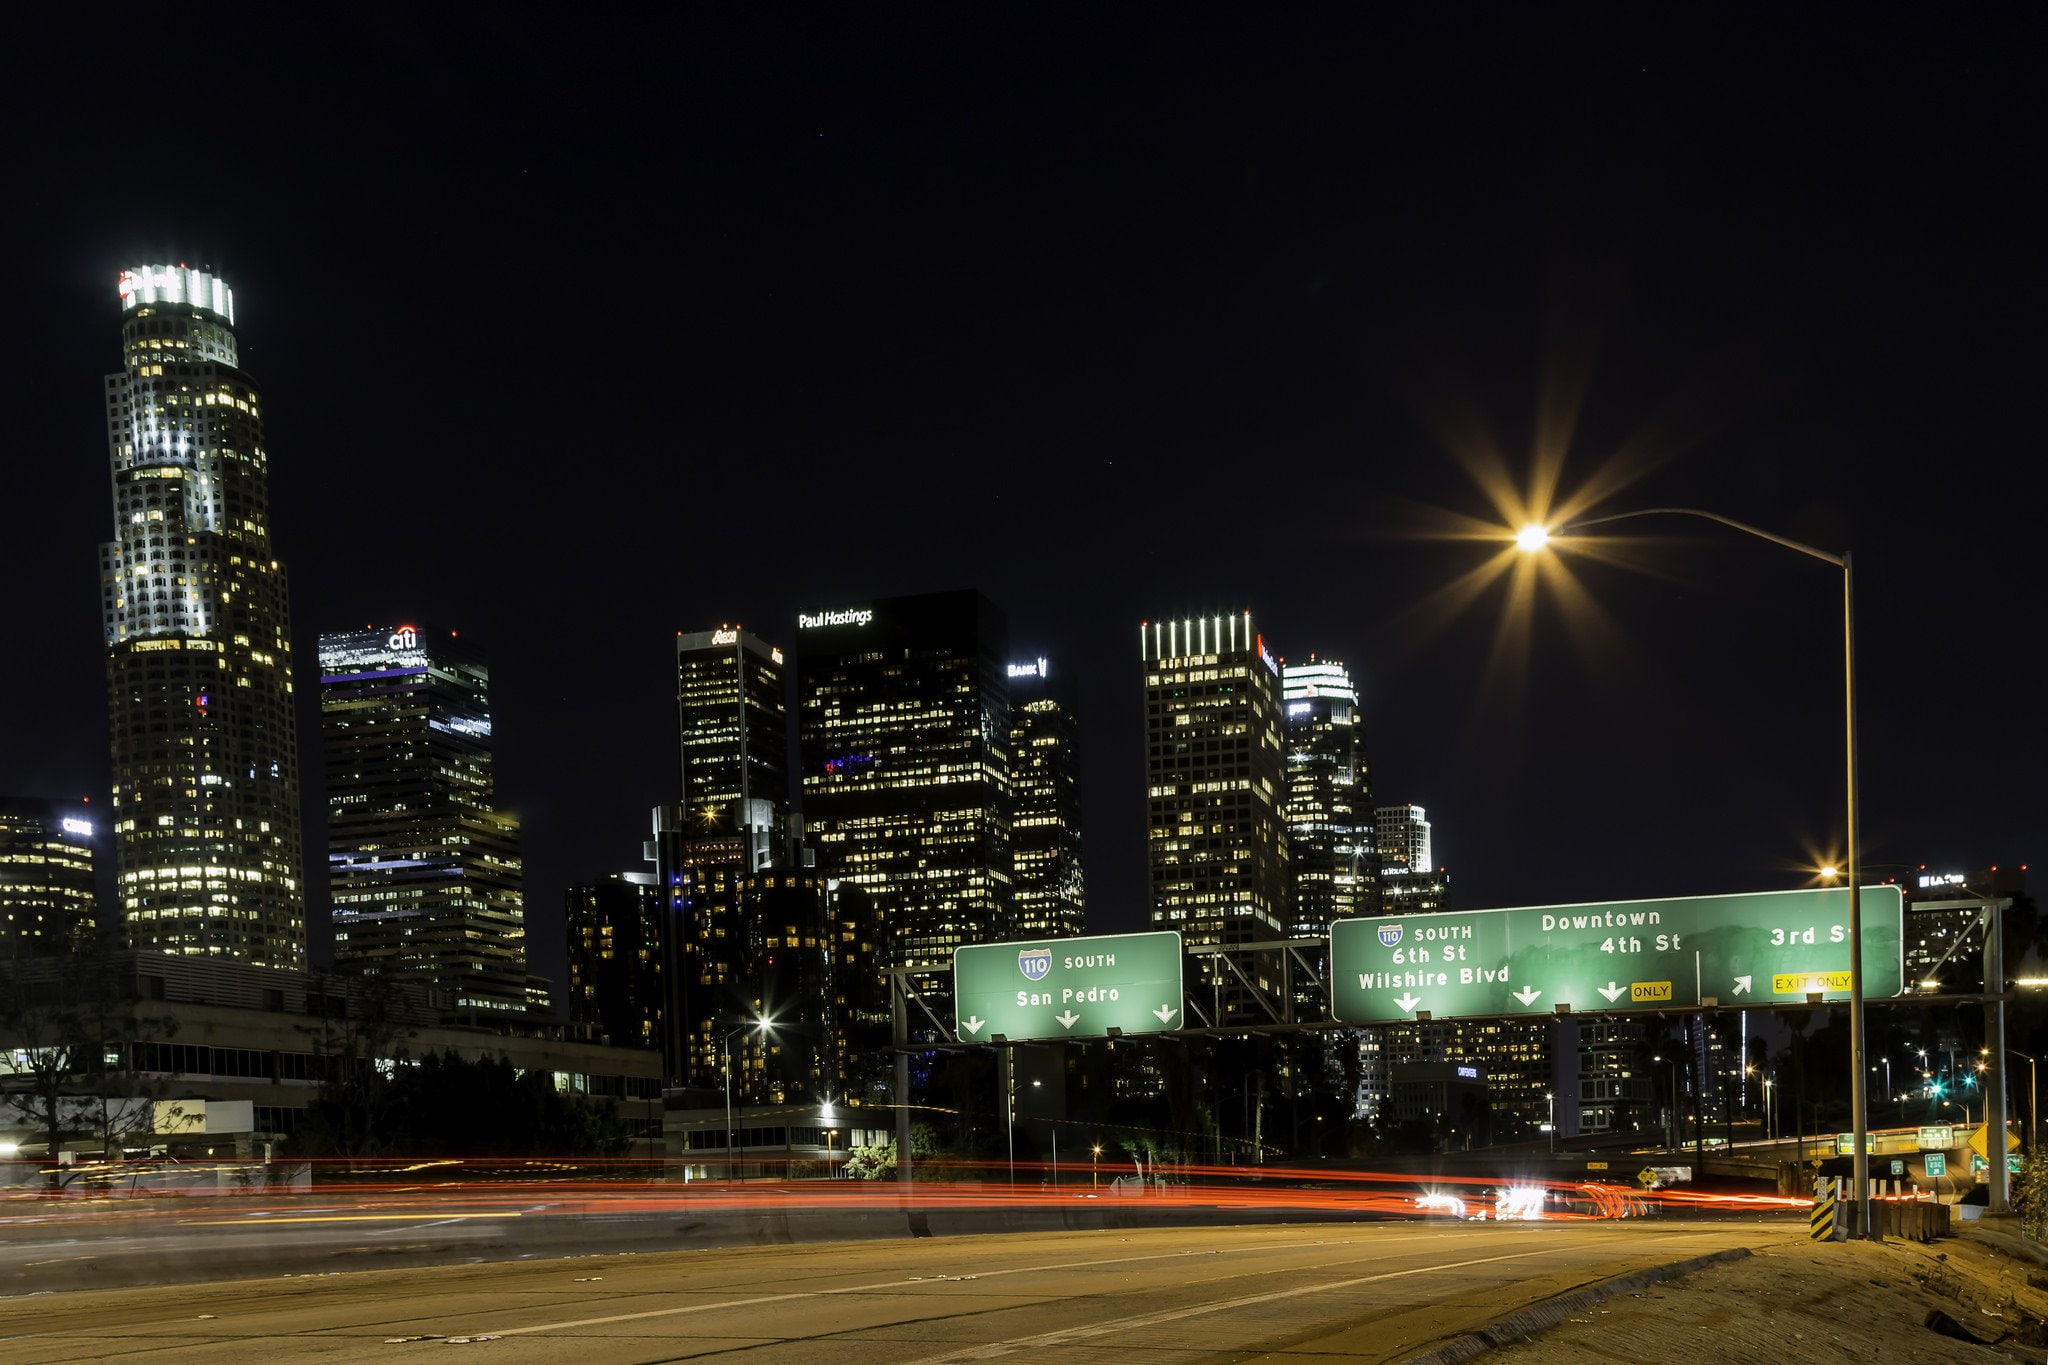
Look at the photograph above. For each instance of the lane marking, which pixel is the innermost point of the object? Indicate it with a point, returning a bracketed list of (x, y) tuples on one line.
[(899, 1282), (1003, 1348), (346, 1218)]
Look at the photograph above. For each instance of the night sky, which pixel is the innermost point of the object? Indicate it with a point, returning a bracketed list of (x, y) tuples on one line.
[(572, 337)]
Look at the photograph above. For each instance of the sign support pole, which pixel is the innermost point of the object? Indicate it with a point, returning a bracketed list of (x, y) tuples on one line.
[(1006, 1083), (899, 1033)]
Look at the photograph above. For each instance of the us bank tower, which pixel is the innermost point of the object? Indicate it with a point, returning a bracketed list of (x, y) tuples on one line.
[(199, 665)]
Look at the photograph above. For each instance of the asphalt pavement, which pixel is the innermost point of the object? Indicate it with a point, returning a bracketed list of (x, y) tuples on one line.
[(1365, 1291)]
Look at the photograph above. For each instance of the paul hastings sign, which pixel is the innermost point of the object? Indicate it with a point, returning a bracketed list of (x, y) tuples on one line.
[(842, 616)]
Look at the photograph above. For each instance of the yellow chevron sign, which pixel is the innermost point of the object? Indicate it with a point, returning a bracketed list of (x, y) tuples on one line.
[(1980, 1141)]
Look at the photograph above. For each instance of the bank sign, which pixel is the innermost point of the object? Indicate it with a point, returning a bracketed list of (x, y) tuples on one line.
[(1068, 987), (1777, 947)]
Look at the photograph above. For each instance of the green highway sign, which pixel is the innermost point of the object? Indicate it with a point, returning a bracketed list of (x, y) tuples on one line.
[(1938, 1137), (1773, 947), (1068, 987), (1937, 1164)]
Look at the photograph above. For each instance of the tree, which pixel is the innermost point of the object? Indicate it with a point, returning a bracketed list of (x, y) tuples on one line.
[(447, 1105), (357, 1041), (72, 1034), (875, 1162), (878, 1161)]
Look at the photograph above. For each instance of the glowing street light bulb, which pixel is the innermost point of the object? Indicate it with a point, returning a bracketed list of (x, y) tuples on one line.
[(1532, 537), (1828, 874)]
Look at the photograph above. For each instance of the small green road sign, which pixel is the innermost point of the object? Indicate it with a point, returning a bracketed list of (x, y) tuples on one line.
[(1771, 947), (1068, 987), (1937, 1164), (1898, 1166), (1978, 1165), (1938, 1137), (2013, 1163)]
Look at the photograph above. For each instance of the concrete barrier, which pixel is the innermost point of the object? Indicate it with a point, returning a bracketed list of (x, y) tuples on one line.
[(1905, 1220)]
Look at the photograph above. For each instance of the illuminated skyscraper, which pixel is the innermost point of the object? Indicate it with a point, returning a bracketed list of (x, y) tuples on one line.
[(205, 816), (1216, 770), (1045, 759), (1330, 836), (734, 720), (904, 716), (1403, 838), (47, 896), (1410, 883), (425, 869)]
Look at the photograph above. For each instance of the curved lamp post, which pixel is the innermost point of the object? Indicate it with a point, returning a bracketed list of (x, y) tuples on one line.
[(1533, 538)]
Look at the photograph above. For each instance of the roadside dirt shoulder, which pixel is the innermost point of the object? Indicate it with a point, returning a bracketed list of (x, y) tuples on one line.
[(1818, 1302)]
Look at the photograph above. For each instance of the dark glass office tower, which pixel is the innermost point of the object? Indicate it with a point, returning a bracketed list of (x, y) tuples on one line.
[(1216, 773), (904, 718), (789, 945), (1045, 760), (205, 815), (1330, 832), (733, 719), (425, 869), (47, 894), (732, 818), (614, 929)]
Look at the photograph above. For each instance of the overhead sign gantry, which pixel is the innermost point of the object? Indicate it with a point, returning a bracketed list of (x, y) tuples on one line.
[(1769, 948)]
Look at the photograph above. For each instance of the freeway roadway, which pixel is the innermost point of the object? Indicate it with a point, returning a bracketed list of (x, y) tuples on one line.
[(1138, 1296)]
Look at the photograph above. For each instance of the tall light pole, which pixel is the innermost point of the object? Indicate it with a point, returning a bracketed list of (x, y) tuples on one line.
[(2033, 1104), (761, 1025), (1550, 1098), (1531, 538), (1671, 1119), (1770, 1128)]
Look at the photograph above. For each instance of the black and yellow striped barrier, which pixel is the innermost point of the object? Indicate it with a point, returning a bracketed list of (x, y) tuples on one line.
[(1821, 1224)]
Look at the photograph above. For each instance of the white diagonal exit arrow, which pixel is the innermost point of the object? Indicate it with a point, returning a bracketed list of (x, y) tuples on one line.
[(973, 1024), (1164, 1014), (1527, 995), (1068, 1020), (1613, 992), (1741, 984), (1408, 1003)]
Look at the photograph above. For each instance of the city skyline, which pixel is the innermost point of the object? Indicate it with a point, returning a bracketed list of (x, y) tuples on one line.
[(893, 382)]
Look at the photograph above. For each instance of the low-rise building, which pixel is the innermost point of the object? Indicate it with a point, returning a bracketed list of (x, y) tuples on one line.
[(203, 1035)]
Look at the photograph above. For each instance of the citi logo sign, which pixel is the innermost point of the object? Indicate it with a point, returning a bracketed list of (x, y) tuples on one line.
[(405, 637)]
